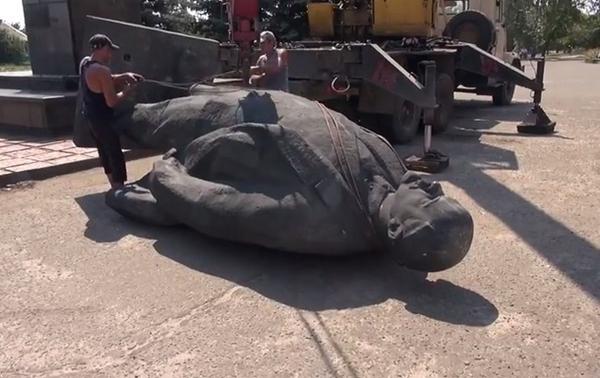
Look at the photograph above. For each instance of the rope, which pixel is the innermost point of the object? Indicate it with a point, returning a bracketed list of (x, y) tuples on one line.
[(189, 86), (342, 159), (167, 84), (387, 143)]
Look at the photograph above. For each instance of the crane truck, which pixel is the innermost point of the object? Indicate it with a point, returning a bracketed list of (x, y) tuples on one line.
[(398, 63)]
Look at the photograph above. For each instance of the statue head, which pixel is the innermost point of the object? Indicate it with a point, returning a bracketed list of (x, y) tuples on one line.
[(424, 229)]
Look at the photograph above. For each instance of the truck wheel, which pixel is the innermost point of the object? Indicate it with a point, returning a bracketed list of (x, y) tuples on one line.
[(445, 100), (503, 95), (473, 27), (405, 122)]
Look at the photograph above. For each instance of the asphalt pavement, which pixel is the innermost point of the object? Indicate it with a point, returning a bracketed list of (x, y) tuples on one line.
[(86, 292)]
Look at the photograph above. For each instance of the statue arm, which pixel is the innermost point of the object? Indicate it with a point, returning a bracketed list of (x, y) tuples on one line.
[(258, 184), (220, 210)]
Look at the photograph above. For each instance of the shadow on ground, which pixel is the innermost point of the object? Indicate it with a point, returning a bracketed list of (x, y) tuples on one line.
[(318, 283), (574, 256), (474, 118), (312, 283)]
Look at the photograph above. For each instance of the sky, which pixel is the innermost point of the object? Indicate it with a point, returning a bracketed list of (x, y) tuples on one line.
[(12, 11)]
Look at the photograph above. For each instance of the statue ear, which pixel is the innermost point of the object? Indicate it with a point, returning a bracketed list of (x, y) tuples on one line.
[(395, 229), (171, 153)]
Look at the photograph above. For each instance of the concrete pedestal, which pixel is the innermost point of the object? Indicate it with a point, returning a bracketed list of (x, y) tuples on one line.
[(38, 104)]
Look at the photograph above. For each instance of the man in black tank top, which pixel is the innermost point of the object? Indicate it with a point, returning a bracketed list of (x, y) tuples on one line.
[(102, 92)]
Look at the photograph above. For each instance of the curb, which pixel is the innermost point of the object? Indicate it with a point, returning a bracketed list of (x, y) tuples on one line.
[(565, 59), (63, 169)]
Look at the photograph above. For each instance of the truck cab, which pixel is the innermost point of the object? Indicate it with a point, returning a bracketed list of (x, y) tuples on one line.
[(493, 10)]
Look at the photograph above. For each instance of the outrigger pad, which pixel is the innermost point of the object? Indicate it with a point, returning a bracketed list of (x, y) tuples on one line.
[(537, 122), (431, 162)]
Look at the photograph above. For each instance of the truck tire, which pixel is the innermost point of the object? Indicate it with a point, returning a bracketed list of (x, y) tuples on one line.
[(445, 99), (405, 122), (472, 27), (503, 95)]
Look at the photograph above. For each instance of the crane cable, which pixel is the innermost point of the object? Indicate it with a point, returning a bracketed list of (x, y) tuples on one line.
[(342, 159), (189, 86)]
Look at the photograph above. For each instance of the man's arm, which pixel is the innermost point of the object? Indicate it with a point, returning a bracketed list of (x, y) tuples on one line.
[(122, 80), (102, 77), (258, 69), (256, 72)]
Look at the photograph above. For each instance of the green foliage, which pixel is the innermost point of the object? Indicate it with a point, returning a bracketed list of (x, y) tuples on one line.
[(14, 67), (208, 18), (584, 34), (168, 15), (17, 26), (12, 49), (288, 19), (212, 21), (539, 25), (543, 25)]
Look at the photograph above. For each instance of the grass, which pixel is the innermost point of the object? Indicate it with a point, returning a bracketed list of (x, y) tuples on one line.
[(14, 67)]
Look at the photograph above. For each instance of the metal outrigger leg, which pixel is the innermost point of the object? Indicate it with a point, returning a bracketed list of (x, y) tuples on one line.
[(430, 161), (537, 121)]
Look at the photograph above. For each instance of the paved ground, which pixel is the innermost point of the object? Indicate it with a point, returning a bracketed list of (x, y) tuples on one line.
[(24, 153), (88, 293)]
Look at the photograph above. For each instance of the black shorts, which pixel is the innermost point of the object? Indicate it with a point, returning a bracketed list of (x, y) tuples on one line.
[(109, 150)]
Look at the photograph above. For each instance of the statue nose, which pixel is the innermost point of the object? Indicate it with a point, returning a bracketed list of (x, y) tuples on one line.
[(435, 189)]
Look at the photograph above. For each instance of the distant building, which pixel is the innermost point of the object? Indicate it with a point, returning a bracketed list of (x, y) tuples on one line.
[(12, 31)]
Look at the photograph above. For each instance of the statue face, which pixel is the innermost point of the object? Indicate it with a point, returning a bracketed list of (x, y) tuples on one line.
[(425, 229)]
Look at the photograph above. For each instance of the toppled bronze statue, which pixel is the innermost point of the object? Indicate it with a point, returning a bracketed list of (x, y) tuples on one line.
[(279, 171)]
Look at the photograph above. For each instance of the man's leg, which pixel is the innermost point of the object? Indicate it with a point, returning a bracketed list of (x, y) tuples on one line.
[(103, 158), (113, 183), (111, 155), (116, 159)]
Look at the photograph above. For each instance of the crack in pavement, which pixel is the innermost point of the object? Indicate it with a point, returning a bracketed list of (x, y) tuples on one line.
[(334, 358)]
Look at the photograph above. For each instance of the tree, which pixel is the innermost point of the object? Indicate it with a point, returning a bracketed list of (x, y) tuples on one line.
[(540, 25), (587, 33), (286, 18), (12, 49), (17, 26), (521, 25), (208, 18), (170, 15), (559, 18), (543, 25), (212, 20)]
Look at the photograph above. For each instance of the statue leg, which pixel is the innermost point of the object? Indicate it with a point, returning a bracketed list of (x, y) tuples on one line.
[(135, 201)]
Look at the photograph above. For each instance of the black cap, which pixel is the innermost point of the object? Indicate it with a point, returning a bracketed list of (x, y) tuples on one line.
[(99, 41)]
